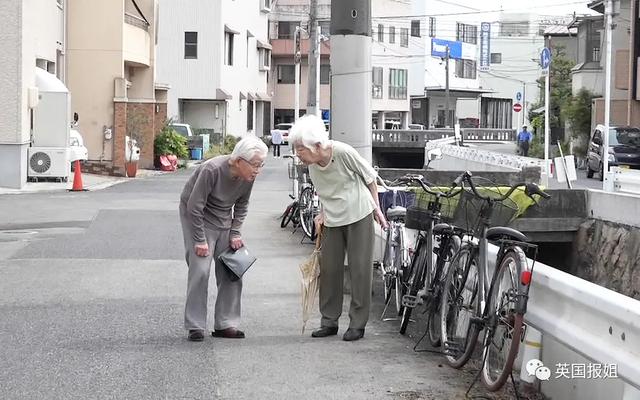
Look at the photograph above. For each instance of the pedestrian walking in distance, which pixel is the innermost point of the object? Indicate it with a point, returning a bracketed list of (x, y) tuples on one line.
[(346, 186), (276, 141), (213, 206), (524, 139)]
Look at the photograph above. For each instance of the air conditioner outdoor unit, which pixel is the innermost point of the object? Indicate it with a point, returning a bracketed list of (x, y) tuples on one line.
[(48, 162)]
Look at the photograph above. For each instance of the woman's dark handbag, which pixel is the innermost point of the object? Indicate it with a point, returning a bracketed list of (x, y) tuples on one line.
[(237, 262)]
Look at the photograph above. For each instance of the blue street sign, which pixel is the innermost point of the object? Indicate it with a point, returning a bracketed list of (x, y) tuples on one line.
[(485, 49), (439, 48), (518, 96), (545, 58)]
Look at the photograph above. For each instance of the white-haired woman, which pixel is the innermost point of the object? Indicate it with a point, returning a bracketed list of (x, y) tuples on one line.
[(346, 185), (213, 206)]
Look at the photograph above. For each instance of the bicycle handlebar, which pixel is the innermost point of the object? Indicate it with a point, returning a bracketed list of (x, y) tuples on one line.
[(530, 188)]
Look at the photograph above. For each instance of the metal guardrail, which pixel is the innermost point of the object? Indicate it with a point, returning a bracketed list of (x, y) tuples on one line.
[(416, 138), (598, 323), (623, 180), (489, 135), (487, 157)]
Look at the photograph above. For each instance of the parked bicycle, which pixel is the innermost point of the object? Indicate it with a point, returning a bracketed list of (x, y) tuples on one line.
[(396, 257), (422, 282), (473, 300), (305, 205)]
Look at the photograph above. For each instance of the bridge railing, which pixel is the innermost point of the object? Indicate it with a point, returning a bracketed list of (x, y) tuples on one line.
[(423, 136), (623, 180)]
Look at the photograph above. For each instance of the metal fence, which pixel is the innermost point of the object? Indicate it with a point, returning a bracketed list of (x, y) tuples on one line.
[(418, 138)]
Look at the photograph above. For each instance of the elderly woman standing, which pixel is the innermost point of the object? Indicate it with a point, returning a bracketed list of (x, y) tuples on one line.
[(346, 186), (213, 206)]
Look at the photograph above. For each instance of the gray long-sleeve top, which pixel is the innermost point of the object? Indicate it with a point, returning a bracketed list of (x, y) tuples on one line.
[(212, 197)]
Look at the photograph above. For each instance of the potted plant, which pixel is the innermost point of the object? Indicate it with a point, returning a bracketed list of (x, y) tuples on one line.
[(134, 142), (169, 143)]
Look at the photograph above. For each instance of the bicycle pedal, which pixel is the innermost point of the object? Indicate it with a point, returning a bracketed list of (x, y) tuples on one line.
[(452, 348), (409, 301)]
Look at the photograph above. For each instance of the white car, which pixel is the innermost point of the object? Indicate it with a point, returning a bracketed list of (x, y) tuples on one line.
[(77, 149), (284, 129)]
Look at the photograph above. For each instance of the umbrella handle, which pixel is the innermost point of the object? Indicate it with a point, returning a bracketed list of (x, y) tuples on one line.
[(319, 237)]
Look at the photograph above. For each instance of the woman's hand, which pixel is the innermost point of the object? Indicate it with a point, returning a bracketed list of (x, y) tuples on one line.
[(202, 250), (379, 217), (236, 242)]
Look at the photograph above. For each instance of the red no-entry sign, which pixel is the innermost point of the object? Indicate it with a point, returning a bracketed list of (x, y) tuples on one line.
[(517, 107)]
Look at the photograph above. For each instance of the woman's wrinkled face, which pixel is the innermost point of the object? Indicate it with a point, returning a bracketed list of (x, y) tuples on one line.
[(305, 154), (248, 170)]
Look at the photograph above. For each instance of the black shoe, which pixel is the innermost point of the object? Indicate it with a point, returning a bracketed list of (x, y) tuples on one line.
[(196, 335), (325, 331), (353, 334), (229, 333)]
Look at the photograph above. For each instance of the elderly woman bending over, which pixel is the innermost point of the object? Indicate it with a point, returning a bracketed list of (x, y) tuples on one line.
[(213, 206), (346, 186)]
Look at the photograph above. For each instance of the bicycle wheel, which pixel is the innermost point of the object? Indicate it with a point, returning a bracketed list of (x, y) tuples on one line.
[(288, 215), (502, 335), (307, 213), (445, 256), (458, 305), (413, 283), (388, 278)]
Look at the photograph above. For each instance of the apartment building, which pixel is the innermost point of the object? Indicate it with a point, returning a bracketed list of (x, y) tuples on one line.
[(428, 94), (111, 70), (215, 56), (33, 37), (286, 16)]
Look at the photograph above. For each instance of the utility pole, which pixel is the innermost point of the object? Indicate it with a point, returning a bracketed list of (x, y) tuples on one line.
[(446, 90), (607, 97), (296, 67), (313, 60), (351, 74)]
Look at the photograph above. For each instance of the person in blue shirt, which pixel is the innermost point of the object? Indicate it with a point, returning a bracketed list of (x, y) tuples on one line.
[(524, 138)]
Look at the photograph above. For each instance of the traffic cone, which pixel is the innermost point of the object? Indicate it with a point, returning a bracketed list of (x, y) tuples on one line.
[(77, 179)]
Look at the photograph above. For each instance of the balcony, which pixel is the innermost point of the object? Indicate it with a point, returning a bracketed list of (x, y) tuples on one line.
[(137, 41), (285, 47)]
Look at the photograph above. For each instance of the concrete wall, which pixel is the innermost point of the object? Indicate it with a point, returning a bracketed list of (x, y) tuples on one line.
[(95, 59)]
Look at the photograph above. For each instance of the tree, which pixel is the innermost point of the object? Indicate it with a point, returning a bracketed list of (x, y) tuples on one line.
[(577, 112), (137, 122)]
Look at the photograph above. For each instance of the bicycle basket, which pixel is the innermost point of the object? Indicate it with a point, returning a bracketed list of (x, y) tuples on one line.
[(471, 211), (426, 206)]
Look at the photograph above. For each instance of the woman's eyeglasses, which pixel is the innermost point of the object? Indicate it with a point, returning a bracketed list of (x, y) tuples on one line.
[(254, 165)]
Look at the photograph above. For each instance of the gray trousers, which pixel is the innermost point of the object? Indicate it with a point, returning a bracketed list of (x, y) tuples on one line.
[(356, 240), (227, 309)]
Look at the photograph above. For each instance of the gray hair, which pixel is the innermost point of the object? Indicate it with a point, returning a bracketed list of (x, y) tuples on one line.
[(248, 147), (309, 131)]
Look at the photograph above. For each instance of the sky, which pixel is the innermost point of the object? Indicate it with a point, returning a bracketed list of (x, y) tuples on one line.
[(545, 7)]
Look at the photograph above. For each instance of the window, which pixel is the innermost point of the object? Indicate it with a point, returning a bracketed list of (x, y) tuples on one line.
[(415, 28), (249, 115), (432, 26), (325, 74), (496, 58), (514, 28), (398, 83), (380, 33), (376, 84), (392, 34), (466, 33), (404, 37), (286, 74), (286, 29), (466, 69), (228, 48), (265, 58), (190, 45), (325, 27), (593, 41)]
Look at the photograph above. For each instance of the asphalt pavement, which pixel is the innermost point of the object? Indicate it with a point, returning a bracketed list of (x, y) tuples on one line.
[(92, 290)]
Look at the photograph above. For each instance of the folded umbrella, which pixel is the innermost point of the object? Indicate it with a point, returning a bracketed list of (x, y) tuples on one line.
[(310, 270)]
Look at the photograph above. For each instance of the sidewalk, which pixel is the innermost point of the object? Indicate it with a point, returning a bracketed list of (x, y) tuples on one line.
[(90, 182)]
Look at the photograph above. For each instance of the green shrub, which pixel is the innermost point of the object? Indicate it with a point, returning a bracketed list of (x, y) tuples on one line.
[(230, 142), (170, 142)]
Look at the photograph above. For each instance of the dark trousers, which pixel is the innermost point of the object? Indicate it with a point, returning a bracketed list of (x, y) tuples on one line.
[(276, 150), (524, 148)]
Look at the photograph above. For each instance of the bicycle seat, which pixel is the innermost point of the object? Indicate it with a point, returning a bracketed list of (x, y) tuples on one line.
[(396, 212), (443, 228)]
